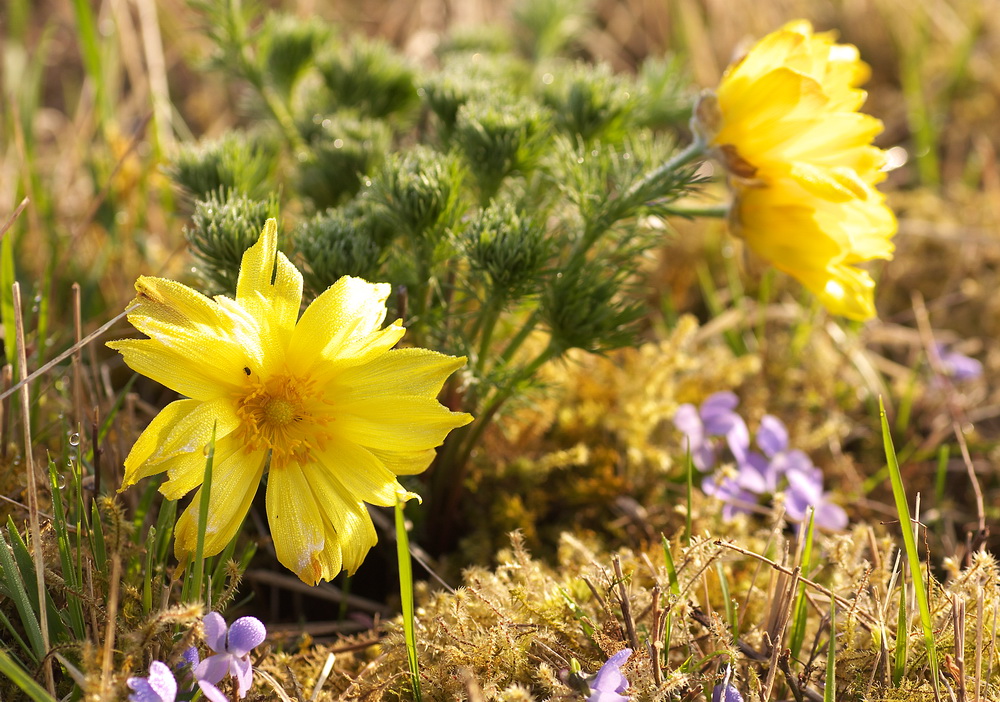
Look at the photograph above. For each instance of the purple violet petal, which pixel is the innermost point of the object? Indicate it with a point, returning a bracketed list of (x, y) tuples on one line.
[(772, 436), (703, 457), (722, 401), (160, 686), (686, 419), (215, 632), (831, 516), (245, 634), (213, 669), (719, 423), (807, 484), (796, 460), (726, 693), (142, 691), (738, 438), (190, 656), (958, 365), (211, 692), (753, 474), (602, 696), (609, 678), (242, 671)]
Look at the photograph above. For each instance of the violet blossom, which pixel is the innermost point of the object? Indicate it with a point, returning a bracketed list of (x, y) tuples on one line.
[(714, 418), (161, 685), (957, 365), (770, 470), (609, 685), (232, 648)]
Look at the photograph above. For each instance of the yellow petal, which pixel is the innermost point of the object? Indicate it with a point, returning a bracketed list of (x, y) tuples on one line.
[(397, 372), (297, 527), (362, 475), (349, 517), (343, 323), (269, 287), (399, 423), (843, 290), (234, 484), (182, 427), (193, 347), (187, 471), (405, 462)]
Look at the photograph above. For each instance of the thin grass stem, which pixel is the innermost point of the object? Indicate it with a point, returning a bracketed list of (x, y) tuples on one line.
[(406, 598)]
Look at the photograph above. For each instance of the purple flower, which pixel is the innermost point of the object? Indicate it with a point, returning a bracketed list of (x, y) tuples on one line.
[(957, 365), (715, 418), (726, 693), (766, 472), (805, 489), (609, 684), (232, 648), (731, 492), (160, 686)]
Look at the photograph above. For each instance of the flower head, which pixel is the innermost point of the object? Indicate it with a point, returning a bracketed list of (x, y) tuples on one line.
[(609, 685), (323, 403), (785, 122), (232, 648)]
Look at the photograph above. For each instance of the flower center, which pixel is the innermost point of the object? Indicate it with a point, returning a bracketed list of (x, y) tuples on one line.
[(284, 415)]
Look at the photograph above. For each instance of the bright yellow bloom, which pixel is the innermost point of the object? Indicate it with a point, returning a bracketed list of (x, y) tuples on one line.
[(322, 403), (817, 241), (785, 122)]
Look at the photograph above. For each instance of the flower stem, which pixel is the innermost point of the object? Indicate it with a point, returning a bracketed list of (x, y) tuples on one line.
[(693, 151), (716, 211)]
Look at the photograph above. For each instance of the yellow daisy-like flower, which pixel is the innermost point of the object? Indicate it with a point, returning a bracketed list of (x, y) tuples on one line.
[(323, 403), (785, 122)]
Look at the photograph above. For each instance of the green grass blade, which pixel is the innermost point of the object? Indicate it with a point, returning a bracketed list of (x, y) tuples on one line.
[(801, 618), (15, 586), (74, 605), (198, 565), (20, 677), (675, 588), (830, 684), (406, 597), (165, 521), (90, 47), (910, 543), (6, 292), (944, 454), (56, 626), (148, 572), (97, 545), (727, 601)]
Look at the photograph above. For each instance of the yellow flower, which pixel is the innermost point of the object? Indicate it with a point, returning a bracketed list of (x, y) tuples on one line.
[(322, 403), (817, 241), (785, 122)]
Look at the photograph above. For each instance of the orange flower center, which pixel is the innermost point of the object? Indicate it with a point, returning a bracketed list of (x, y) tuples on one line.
[(284, 415)]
